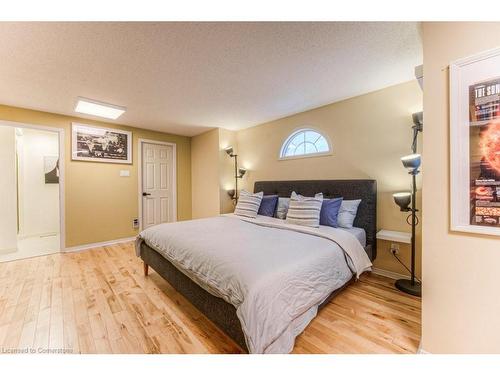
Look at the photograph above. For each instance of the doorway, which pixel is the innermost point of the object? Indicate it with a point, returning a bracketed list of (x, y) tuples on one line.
[(157, 183), (30, 191)]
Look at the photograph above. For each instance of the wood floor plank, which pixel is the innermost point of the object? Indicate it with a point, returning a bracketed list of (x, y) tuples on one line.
[(31, 317), (99, 301), (56, 335), (70, 332)]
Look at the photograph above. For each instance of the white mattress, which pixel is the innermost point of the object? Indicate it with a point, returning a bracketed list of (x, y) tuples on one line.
[(359, 233)]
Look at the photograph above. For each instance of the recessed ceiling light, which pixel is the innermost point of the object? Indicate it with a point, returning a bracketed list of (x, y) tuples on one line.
[(100, 109)]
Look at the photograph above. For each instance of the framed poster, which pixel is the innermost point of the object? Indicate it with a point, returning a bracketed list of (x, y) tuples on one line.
[(92, 143), (475, 143)]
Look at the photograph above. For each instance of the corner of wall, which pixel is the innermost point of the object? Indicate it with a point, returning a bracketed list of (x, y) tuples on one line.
[(205, 196)]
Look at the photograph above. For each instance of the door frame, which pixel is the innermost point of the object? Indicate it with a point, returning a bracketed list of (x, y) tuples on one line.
[(62, 144), (140, 142)]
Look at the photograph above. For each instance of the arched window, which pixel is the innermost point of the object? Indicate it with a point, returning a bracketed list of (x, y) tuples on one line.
[(305, 142)]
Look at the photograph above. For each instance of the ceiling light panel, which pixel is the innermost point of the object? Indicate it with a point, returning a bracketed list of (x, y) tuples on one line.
[(99, 109)]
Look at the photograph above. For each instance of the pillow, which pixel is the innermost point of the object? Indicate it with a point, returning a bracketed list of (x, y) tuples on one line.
[(248, 204), (268, 205), (304, 210), (329, 212), (347, 213), (282, 208)]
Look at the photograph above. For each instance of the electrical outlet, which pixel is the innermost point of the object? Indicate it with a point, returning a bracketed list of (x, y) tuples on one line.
[(394, 249), (135, 223)]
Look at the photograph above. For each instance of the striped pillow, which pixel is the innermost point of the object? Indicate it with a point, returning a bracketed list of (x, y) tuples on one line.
[(304, 210), (248, 204)]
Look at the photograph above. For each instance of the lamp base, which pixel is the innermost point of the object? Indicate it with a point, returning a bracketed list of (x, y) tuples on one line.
[(406, 286)]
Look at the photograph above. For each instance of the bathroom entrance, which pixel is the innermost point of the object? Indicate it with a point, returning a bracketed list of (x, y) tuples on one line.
[(30, 191)]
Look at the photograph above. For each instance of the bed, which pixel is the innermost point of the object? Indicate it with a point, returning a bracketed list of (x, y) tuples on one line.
[(257, 279)]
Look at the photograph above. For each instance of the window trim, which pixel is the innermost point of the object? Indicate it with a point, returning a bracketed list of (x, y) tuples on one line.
[(285, 143)]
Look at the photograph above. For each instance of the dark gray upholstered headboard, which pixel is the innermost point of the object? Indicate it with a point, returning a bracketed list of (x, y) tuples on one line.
[(366, 190)]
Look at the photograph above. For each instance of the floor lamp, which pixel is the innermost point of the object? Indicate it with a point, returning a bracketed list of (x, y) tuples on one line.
[(238, 173), (412, 163)]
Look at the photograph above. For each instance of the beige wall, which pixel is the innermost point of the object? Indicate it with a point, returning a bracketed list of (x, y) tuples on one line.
[(212, 172), (100, 205), (205, 174), (369, 134), (461, 303)]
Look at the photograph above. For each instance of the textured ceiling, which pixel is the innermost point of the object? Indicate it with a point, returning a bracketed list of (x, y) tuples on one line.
[(186, 77)]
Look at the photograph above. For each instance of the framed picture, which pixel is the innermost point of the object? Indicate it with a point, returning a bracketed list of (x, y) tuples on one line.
[(475, 143), (91, 143)]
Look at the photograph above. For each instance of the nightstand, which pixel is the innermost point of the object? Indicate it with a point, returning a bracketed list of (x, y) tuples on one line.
[(394, 236)]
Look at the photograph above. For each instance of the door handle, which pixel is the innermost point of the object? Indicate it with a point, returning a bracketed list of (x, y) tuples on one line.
[(145, 194)]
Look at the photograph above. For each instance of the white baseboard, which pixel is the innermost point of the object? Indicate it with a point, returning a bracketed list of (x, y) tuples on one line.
[(96, 244), (389, 274), (421, 351), (41, 234), (8, 251)]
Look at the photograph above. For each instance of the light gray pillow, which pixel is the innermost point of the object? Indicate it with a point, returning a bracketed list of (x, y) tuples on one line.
[(282, 208), (304, 210), (347, 213), (248, 204)]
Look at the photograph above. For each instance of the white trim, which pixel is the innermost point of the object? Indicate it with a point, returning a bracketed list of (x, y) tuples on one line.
[(140, 141), (75, 125), (459, 142), (8, 251), (306, 156), (62, 144), (73, 249), (389, 274), (31, 235), (420, 350)]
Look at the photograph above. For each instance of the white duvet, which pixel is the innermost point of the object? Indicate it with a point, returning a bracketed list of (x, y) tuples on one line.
[(275, 274)]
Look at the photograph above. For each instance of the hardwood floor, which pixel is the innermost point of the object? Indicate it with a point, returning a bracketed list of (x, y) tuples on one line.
[(98, 301)]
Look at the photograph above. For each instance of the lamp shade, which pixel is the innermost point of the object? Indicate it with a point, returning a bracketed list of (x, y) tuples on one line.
[(229, 150), (403, 200), (418, 118), (411, 161), (241, 172)]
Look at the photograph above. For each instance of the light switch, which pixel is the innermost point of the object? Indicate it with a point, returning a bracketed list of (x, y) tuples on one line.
[(124, 173)]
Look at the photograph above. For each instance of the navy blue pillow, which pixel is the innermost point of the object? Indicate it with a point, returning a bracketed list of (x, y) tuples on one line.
[(329, 212), (268, 205)]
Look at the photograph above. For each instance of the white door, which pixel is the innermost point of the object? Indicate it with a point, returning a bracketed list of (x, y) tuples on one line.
[(157, 184)]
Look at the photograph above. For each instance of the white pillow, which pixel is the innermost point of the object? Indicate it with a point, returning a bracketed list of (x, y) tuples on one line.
[(347, 213), (282, 208), (304, 210), (248, 204)]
